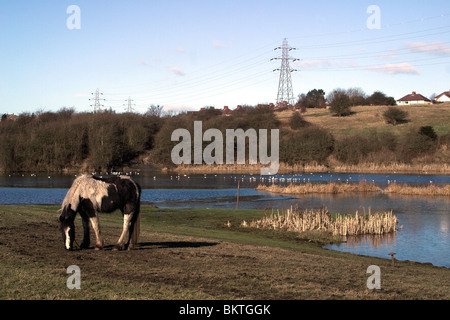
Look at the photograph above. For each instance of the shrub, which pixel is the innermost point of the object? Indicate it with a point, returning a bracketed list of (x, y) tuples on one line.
[(352, 149), (378, 147), (340, 103), (297, 122), (429, 132), (377, 99), (306, 145), (415, 144), (394, 115)]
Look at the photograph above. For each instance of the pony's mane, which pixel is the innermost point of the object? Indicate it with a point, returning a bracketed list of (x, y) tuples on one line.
[(86, 187)]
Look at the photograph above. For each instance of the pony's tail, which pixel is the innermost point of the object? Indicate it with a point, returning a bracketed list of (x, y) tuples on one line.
[(137, 221), (137, 226)]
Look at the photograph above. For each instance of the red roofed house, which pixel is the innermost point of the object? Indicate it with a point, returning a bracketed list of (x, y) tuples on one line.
[(6, 116), (413, 98), (443, 97), (226, 111)]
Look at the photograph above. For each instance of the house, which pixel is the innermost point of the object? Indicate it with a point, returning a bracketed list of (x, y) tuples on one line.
[(226, 111), (6, 116), (443, 97), (413, 98)]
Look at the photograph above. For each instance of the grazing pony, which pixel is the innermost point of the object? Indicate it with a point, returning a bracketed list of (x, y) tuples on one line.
[(89, 195)]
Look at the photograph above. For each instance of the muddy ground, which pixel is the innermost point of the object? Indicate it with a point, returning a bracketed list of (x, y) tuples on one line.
[(172, 266)]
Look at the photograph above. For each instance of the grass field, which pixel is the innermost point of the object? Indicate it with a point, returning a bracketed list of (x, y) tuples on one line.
[(366, 118), (195, 254)]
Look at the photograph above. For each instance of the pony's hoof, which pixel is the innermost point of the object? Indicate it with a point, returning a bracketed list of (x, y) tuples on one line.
[(118, 247), (84, 245)]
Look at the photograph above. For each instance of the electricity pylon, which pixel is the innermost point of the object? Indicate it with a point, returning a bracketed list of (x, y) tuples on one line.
[(285, 92), (97, 106), (130, 105)]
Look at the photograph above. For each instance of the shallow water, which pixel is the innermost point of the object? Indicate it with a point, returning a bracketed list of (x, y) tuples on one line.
[(425, 220)]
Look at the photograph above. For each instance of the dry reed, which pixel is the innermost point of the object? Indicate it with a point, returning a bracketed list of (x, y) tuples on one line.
[(362, 186), (322, 221), (330, 187), (334, 166), (415, 190)]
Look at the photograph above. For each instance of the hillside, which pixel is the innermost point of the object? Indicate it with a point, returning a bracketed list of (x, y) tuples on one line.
[(363, 142), (66, 141), (366, 118)]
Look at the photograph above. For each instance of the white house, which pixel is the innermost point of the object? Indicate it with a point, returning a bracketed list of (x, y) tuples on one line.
[(443, 97), (413, 98)]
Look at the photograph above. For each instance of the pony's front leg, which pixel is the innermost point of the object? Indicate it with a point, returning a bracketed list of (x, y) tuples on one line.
[(96, 227), (126, 226)]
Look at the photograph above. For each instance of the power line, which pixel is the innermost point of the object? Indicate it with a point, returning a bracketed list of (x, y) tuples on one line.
[(383, 39), (217, 79)]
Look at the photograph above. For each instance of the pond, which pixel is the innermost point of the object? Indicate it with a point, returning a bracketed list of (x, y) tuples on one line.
[(425, 221)]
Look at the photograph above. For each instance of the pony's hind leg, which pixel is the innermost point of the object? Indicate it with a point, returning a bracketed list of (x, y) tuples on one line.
[(133, 231), (126, 229)]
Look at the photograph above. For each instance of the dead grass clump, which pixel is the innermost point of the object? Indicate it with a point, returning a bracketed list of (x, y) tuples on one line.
[(416, 190), (362, 186), (330, 187), (322, 221)]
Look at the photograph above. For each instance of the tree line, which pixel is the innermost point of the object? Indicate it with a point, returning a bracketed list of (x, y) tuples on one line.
[(66, 140), (316, 98)]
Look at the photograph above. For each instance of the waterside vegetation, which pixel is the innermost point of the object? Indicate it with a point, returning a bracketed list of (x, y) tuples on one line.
[(320, 220), (66, 141), (362, 186)]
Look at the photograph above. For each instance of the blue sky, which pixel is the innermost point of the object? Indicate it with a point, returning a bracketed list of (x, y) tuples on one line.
[(189, 54)]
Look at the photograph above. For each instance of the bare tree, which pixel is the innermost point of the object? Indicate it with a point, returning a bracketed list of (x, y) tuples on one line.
[(154, 111)]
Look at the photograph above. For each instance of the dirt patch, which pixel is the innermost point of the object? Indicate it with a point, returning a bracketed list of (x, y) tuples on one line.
[(214, 268)]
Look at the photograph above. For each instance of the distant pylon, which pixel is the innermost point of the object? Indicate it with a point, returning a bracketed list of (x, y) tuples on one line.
[(130, 105), (285, 92), (97, 106)]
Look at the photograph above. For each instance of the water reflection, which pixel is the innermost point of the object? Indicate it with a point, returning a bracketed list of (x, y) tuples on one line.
[(370, 241)]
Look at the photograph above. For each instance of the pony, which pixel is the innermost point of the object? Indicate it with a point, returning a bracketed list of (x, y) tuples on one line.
[(90, 195)]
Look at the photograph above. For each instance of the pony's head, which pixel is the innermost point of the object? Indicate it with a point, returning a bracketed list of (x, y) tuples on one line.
[(67, 226)]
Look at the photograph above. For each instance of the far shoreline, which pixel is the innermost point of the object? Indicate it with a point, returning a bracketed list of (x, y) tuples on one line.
[(365, 168)]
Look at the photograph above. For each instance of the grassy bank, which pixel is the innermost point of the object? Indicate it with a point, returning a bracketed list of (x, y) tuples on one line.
[(367, 118), (195, 254)]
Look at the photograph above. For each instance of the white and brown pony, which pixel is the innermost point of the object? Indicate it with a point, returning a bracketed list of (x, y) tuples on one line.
[(90, 195)]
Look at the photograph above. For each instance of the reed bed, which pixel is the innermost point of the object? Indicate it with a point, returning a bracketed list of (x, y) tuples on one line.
[(362, 186), (330, 187), (321, 220), (416, 190)]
